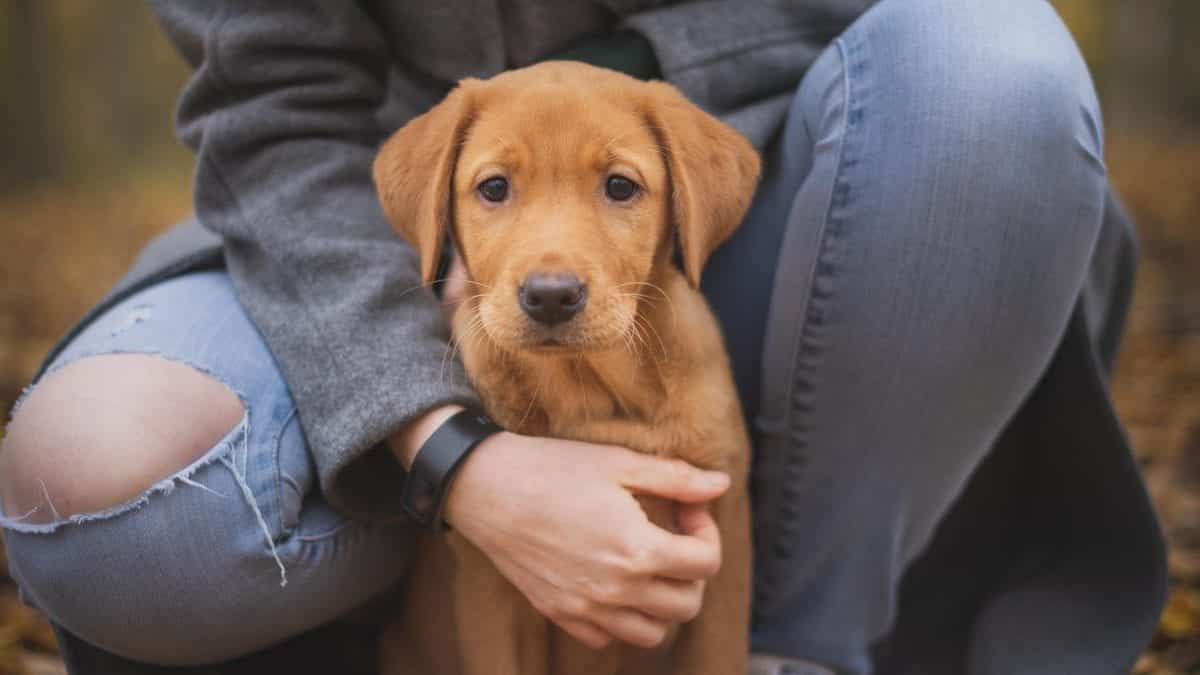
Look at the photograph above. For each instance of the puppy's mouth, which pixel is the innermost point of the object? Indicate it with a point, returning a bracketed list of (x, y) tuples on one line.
[(553, 341), (516, 332), (574, 337), (513, 328)]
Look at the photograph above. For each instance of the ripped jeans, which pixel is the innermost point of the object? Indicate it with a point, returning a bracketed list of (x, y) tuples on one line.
[(252, 541)]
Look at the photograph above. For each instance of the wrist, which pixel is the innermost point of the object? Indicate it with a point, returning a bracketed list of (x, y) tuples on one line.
[(450, 437), (407, 441), (462, 496)]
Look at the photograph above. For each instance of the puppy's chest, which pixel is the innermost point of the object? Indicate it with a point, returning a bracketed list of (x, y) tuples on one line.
[(568, 398)]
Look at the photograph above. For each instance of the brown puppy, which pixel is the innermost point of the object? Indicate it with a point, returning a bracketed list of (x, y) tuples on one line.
[(565, 187)]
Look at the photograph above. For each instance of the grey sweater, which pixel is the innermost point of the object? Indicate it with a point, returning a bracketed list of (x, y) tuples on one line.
[(290, 99)]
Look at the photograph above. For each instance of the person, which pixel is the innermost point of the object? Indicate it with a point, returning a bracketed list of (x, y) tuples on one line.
[(921, 309)]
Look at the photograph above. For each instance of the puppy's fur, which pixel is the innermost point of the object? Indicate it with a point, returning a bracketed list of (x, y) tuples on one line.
[(643, 364)]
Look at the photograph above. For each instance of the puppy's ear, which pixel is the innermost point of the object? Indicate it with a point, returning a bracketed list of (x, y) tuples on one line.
[(414, 174), (713, 171)]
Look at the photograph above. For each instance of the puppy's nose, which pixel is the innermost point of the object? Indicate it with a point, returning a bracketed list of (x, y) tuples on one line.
[(552, 299)]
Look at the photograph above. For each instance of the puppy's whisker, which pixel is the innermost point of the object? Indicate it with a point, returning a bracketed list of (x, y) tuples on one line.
[(477, 283), (477, 296), (473, 329), (447, 353), (636, 332), (638, 318), (414, 288), (537, 391), (455, 348), (670, 303), (627, 340), (629, 346), (469, 332), (626, 294), (647, 347), (583, 390), (617, 289), (447, 356), (639, 297)]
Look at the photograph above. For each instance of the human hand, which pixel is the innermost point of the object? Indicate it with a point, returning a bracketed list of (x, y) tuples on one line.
[(559, 520)]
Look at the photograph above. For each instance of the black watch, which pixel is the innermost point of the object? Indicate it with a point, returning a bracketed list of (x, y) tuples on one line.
[(433, 469)]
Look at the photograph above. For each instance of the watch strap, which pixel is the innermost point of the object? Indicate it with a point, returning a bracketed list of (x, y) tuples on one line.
[(437, 461)]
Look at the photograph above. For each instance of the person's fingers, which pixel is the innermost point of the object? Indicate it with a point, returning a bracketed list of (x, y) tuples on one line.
[(695, 520), (672, 478), (585, 632), (693, 554), (630, 625), (671, 599)]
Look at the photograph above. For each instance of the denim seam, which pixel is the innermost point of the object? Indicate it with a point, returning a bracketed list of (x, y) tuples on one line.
[(322, 536), (280, 476), (806, 351)]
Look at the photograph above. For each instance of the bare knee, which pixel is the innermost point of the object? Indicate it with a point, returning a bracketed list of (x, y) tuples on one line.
[(99, 432)]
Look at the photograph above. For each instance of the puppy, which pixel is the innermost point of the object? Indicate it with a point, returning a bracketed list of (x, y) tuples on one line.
[(566, 189)]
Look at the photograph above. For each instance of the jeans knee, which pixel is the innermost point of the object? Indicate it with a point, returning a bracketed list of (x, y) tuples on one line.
[(99, 433), (1002, 72)]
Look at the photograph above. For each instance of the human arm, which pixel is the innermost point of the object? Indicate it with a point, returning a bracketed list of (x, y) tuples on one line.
[(281, 113)]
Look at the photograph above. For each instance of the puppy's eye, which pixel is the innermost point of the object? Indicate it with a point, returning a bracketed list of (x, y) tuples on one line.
[(620, 188), (494, 189)]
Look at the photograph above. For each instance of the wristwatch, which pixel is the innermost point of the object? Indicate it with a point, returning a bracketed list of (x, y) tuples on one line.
[(424, 494)]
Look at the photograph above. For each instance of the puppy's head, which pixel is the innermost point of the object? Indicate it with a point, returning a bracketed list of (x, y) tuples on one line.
[(563, 186)]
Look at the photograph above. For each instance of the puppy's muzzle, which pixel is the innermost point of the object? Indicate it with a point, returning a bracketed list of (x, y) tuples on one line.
[(552, 299)]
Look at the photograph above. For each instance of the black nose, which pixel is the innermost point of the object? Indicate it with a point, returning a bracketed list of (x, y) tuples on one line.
[(552, 299)]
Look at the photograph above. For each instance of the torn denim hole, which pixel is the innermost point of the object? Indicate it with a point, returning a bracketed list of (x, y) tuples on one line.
[(226, 452)]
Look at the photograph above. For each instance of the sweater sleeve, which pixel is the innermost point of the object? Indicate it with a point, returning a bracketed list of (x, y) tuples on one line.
[(281, 112)]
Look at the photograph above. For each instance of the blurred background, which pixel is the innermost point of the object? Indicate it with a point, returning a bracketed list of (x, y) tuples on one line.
[(90, 169)]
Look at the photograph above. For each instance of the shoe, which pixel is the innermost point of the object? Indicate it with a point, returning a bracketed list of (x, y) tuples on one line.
[(765, 664)]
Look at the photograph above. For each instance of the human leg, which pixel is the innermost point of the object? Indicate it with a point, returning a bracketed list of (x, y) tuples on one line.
[(941, 188), (130, 526)]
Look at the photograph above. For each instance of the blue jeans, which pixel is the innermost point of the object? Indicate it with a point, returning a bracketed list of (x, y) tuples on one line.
[(924, 227), (941, 179)]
